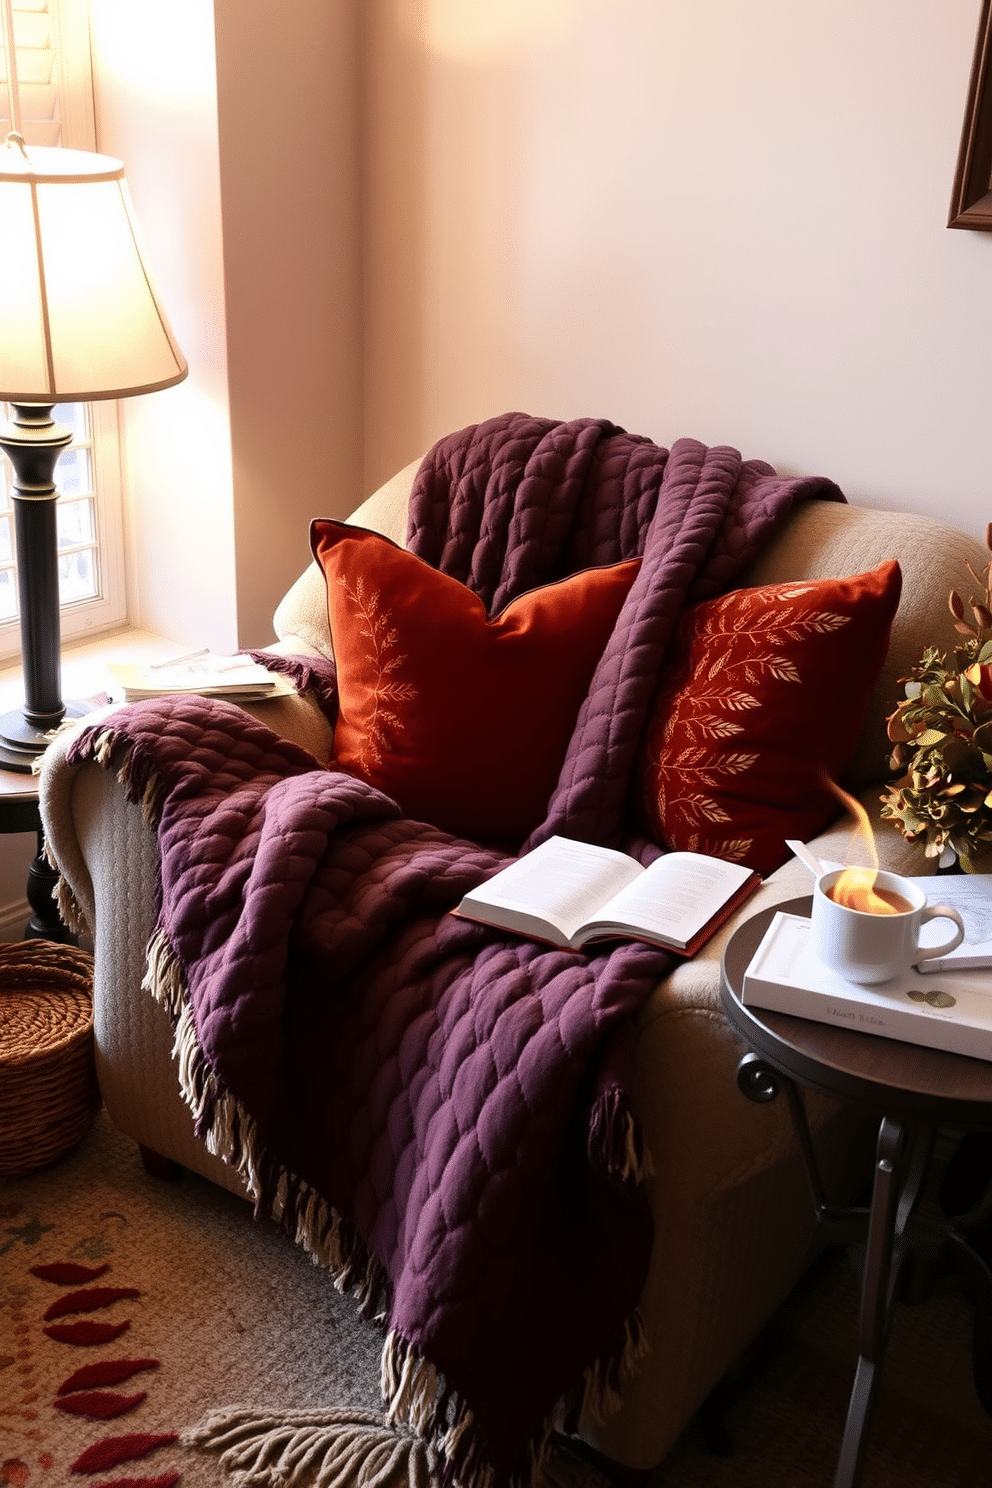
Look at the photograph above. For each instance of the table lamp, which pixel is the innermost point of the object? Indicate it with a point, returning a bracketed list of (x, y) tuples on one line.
[(79, 321)]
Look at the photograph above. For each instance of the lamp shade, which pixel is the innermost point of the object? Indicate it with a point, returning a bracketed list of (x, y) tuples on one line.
[(79, 319)]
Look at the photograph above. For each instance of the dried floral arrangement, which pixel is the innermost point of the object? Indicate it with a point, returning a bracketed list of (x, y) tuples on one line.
[(942, 738)]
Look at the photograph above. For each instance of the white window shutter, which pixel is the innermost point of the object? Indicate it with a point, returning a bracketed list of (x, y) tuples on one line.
[(55, 86), (37, 79)]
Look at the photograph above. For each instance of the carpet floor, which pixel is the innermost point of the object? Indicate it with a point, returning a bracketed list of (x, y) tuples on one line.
[(219, 1311)]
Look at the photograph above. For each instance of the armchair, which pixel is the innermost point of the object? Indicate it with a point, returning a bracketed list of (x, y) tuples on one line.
[(731, 1212)]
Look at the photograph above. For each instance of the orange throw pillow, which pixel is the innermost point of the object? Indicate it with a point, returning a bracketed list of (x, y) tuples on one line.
[(463, 720), (766, 699)]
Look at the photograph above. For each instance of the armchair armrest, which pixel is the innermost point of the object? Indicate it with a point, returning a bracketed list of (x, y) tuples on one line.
[(294, 717), (107, 856)]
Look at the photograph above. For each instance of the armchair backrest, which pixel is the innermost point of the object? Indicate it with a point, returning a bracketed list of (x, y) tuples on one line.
[(822, 539), (825, 539), (302, 612)]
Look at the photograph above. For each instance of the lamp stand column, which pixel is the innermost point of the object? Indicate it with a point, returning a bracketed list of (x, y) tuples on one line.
[(33, 443)]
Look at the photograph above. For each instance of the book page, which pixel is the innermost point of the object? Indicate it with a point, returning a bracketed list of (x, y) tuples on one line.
[(971, 895), (676, 896), (562, 881)]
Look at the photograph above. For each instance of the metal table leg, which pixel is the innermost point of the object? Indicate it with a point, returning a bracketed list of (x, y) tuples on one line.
[(877, 1291)]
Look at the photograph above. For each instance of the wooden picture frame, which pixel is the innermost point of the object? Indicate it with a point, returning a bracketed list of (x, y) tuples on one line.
[(971, 201)]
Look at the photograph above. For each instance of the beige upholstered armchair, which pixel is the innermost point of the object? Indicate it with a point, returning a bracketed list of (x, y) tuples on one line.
[(731, 1211)]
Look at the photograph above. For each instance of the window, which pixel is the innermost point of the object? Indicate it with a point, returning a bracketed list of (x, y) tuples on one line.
[(56, 97)]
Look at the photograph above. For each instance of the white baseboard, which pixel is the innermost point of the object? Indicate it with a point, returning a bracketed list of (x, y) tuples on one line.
[(13, 918)]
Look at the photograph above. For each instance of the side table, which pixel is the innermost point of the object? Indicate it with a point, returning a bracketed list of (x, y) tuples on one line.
[(19, 813), (916, 1092)]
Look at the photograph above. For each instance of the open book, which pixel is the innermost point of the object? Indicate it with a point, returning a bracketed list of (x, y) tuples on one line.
[(570, 893)]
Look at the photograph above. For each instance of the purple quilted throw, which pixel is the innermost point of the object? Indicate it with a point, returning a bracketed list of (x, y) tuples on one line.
[(437, 1110)]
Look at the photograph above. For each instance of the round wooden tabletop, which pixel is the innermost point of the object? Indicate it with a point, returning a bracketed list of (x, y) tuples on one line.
[(909, 1078)]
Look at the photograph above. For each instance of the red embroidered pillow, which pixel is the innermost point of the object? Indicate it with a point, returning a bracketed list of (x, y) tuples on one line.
[(767, 697), (463, 720)]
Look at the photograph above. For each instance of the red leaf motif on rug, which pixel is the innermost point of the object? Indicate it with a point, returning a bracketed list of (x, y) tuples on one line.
[(67, 1273), (89, 1299), (84, 1394), (106, 1372), (85, 1334), (114, 1449), (99, 1405)]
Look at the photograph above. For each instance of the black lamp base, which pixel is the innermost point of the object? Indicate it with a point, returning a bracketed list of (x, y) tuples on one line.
[(33, 442), (22, 742)]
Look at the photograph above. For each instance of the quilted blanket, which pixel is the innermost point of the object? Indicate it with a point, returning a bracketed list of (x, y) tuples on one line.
[(439, 1111)]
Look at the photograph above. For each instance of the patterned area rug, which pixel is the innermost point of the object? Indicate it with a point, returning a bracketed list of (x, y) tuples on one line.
[(173, 1301), (132, 1309)]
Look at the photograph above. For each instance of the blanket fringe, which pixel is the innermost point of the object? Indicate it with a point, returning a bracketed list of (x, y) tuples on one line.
[(415, 1396), (232, 1135), (427, 1432), (312, 1449), (616, 1142), (66, 902), (411, 1394), (409, 1385), (141, 781), (69, 908), (163, 976), (601, 1397)]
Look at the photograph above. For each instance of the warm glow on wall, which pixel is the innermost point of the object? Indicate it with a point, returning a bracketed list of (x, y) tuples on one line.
[(474, 30), (165, 52)]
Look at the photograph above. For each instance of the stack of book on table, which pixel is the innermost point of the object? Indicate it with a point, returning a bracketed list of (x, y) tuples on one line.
[(203, 674), (947, 1006)]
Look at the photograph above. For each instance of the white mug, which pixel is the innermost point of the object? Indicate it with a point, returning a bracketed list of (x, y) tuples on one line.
[(869, 948)]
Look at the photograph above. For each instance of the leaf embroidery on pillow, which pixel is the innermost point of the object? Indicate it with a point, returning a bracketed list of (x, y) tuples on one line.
[(733, 849), (713, 727), (701, 809), (384, 689), (704, 768), (825, 621), (717, 686), (731, 697)]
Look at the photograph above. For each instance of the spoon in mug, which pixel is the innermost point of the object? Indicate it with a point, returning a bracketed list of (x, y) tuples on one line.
[(806, 856)]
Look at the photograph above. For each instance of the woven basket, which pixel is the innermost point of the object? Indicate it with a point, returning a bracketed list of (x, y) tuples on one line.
[(48, 1091)]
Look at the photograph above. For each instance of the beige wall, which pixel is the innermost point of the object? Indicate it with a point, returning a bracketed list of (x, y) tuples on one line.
[(288, 125), (717, 218), (696, 217), (154, 79), (239, 139), (377, 221)]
